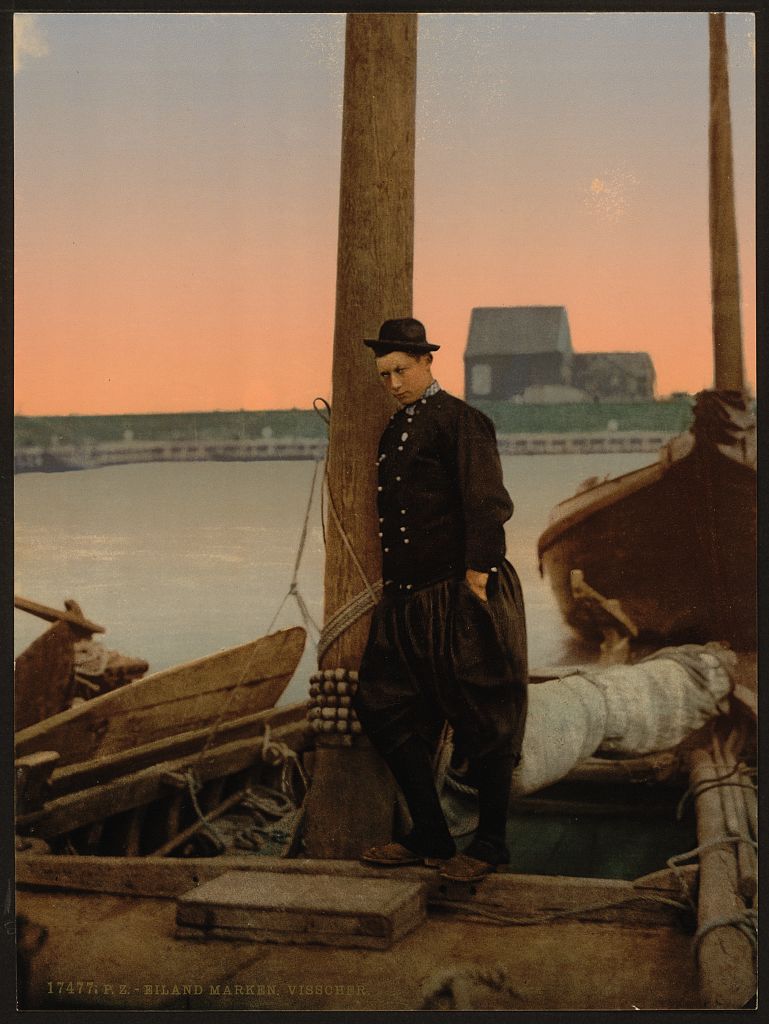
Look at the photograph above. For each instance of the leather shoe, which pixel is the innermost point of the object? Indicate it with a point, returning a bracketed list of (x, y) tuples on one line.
[(395, 855), (462, 868)]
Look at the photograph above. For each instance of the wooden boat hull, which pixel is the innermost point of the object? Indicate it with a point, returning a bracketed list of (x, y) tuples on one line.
[(674, 542), (132, 802), (226, 685)]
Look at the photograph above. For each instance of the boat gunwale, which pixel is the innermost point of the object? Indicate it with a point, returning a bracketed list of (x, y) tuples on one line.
[(63, 718), (63, 780), (616, 489), (680, 450)]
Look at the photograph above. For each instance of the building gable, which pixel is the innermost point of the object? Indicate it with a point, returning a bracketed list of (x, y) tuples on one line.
[(518, 330)]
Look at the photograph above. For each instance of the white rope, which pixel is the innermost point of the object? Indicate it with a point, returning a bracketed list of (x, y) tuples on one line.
[(193, 786), (746, 922), (349, 613), (293, 589), (711, 782)]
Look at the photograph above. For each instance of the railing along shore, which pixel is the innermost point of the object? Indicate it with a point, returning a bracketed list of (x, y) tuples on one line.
[(67, 457)]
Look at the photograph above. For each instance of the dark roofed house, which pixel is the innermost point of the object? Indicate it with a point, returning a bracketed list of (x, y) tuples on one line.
[(512, 348), (626, 376), (524, 354)]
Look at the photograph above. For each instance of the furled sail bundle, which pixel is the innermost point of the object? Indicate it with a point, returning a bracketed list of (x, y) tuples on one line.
[(622, 710)]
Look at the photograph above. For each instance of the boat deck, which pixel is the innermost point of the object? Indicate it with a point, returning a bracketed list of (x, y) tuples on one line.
[(111, 950)]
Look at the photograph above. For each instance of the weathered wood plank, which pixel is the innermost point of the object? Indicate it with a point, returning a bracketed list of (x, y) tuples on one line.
[(33, 774), (44, 678), (583, 898), (663, 767), (102, 769), (245, 679), (589, 808), (72, 615)]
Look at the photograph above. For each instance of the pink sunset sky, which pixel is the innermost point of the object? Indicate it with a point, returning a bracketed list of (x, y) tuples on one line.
[(176, 197)]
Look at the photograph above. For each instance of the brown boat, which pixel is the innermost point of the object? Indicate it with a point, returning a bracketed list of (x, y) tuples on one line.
[(675, 542)]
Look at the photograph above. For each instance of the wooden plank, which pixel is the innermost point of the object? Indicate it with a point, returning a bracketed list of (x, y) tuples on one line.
[(243, 680), (102, 769), (81, 808), (658, 768), (597, 808), (44, 677), (329, 910), (523, 895), (72, 615), (33, 779)]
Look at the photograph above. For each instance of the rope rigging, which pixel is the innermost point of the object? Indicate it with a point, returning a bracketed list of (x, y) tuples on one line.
[(357, 607)]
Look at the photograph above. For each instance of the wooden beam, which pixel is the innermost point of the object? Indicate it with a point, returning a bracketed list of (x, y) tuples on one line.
[(585, 899), (590, 808), (658, 768), (211, 815), (33, 775), (350, 804), (73, 615), (736, 815), (725, 952), (724, 262)]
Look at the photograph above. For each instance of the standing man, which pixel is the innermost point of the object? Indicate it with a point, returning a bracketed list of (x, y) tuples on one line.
[(448, 638)]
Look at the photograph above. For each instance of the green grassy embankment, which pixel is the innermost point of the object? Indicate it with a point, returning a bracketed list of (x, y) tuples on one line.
[(46, 431)]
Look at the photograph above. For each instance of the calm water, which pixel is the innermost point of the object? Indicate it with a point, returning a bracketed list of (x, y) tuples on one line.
[(179, 560)]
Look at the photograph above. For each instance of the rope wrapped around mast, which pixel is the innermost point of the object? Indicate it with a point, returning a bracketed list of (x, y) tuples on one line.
[(368, 598)]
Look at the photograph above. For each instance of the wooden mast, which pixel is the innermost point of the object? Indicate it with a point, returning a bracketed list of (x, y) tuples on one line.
[(724, 267), (350, 802)]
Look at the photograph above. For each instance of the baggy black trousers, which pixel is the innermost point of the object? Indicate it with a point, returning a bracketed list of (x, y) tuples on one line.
[(440, 653)]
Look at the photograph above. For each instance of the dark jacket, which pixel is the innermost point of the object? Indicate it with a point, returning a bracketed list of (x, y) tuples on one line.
[(442, 503)]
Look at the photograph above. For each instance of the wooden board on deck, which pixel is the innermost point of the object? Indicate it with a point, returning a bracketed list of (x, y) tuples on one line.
[(366, 913), (242, 680)]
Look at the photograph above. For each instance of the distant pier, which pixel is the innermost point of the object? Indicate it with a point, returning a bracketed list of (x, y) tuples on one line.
[(38, 459)]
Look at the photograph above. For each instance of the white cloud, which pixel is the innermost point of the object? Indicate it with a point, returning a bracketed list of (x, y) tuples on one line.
[(28, 39)]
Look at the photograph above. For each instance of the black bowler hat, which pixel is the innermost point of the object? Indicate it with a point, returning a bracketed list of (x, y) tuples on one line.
[(403, 335)]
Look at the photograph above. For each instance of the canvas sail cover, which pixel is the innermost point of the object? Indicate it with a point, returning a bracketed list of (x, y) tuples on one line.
[(623, 709)]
